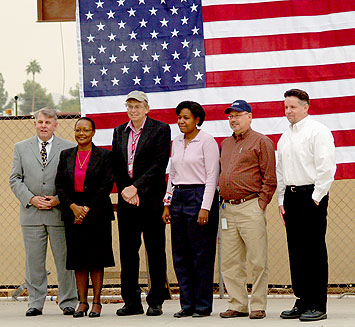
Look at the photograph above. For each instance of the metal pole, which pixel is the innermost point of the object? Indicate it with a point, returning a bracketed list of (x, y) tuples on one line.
[(16, 98), (221, 285)]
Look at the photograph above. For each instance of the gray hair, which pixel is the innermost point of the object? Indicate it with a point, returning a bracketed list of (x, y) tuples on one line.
[(145, 103), (48, 112)]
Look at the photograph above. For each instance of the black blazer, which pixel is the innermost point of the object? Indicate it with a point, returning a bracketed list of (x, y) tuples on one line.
[(97, 185), (150, 162)]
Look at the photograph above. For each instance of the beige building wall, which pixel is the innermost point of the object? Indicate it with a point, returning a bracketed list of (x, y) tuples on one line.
[(340, 236)]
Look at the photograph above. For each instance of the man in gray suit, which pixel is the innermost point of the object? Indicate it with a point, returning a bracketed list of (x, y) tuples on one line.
[(32, 180)]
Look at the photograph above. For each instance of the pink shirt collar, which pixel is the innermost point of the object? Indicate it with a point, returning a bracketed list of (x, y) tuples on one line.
[(131, 126)]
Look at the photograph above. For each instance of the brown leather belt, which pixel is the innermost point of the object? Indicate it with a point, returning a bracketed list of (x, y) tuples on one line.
[(247, 198)]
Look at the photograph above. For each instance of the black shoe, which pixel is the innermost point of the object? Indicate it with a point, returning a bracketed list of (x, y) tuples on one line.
[(183, 313), (294, 313), (93, 314), (154, 310), (31, 312), (313, 315), (68, 311), (81, 313), (129, 311), (200, 314)]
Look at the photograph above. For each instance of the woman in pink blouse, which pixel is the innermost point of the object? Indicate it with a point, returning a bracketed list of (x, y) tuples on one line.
[(84, 181), (191, 206)]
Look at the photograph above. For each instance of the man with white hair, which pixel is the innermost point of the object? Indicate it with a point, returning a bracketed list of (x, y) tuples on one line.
[(33, 173), (141, 151)]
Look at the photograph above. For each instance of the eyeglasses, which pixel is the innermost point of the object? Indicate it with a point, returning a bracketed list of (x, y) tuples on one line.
[(136, 107), (85, 130), (230, 117)]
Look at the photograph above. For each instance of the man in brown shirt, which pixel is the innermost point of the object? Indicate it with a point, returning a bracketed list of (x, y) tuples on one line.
[(247, 184)]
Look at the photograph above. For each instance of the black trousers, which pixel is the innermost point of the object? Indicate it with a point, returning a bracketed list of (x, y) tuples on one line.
[(194, 248), (306, 225), (132, 223)]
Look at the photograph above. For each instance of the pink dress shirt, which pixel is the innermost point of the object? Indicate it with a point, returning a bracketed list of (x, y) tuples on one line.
[(198, 163), (132, 144)]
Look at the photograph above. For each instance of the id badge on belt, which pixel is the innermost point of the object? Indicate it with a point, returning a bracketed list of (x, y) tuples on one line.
[(224, 224)]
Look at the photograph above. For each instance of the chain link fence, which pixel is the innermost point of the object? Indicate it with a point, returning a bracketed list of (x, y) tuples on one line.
[(340, 235)]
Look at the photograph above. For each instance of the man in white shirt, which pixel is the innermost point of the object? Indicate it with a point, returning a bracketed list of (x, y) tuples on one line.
[(305, 172)]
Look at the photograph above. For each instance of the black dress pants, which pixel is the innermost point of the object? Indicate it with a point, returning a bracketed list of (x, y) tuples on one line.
[(306, 225), (132, 222), (194, 248)]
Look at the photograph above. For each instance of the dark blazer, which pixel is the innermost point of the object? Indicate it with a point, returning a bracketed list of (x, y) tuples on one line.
[(150, 162), (97, 185)]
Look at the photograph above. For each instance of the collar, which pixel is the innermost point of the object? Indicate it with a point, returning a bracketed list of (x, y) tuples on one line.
[(296, 127), (243, 135), (197, 138), (131, 126), (48, 142)]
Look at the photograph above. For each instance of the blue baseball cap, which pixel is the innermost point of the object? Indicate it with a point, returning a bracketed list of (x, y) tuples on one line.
[(238, 105)]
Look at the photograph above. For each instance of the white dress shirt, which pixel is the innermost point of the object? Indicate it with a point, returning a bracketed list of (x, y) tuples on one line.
[(48, 149), (48, 146), (306, 155)]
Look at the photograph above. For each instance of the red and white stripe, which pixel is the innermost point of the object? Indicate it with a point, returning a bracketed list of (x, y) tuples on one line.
[(256, 50)]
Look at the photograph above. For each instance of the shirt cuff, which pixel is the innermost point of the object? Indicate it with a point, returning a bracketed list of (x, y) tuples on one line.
[(167, 198), (280, 200), (317, 196)]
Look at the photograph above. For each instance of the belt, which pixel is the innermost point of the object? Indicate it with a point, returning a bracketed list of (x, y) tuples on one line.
[(301, 188), (247, 198), (188, 186)]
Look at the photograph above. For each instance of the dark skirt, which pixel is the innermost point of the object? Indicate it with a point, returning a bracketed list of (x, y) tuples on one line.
[(89, 245)]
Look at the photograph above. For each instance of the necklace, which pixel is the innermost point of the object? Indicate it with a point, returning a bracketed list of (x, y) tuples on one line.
[(82, 164)]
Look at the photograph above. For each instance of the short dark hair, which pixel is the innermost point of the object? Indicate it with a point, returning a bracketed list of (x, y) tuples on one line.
[(300, 94), (88, 119), (195, 108)]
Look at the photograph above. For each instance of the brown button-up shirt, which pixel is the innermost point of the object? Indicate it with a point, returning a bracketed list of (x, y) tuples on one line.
[(248, 166)]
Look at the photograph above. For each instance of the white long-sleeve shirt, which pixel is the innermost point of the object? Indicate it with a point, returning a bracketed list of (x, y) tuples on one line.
[(306, 155)]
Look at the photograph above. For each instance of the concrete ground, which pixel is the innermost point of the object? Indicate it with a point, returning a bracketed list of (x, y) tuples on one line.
[(341, 313)]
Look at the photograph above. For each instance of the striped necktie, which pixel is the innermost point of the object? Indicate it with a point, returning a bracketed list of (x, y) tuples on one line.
[(43, 153)]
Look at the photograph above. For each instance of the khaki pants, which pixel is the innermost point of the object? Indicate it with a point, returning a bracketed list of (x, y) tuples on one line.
[(245, 239)]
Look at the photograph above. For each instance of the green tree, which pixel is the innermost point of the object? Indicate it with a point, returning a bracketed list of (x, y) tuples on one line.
[(32, 68), (43, 99), (75, 93), (72, 104), (3, 93)]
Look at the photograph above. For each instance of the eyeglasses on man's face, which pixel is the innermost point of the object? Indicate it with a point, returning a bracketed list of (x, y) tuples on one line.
[(135, 107), (231, 117)]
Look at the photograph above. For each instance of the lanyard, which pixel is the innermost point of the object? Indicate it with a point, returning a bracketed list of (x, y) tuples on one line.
[(134, 142)]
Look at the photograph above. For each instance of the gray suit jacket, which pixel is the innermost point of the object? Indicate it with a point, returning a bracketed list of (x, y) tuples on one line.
[(29, 178)]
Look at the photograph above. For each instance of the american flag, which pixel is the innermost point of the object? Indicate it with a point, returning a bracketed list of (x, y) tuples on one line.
[(217, 51)]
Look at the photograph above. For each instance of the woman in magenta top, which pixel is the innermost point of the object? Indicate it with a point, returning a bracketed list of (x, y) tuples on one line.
[(191, 206), (84, 181)]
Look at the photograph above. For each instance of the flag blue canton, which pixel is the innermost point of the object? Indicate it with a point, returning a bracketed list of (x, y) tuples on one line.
[(146, 45)]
